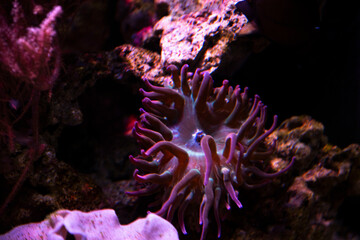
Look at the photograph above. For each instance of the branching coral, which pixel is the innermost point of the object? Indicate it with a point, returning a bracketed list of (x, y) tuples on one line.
[(30, 58), (201, 144), (31, 54)]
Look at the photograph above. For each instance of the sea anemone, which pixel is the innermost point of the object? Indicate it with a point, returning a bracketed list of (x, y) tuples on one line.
[(200, 144)]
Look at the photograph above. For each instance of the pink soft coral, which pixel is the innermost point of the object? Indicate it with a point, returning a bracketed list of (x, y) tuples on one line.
[(30, 54), (30, 63)]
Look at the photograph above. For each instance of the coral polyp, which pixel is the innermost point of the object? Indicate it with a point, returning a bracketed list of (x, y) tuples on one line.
[(200, 144)]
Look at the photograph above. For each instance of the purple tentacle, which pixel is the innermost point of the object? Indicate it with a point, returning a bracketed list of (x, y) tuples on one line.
[(216, 209), (208, 146), (229, 187), (245, 126), (145, 191), (154, 135), (153, 95), (260, 139), (208, 202), (173, 207), (163, 178), (184, 84), (175, 75), (150, 166), (236, 109), (190, 176), (179, 153), (220, 101), (230, 147), (261, 155), (262, 174), (143, 140), (166, 95), (182, 210), (157, 125), (195, 82), (160, 109), (200, 103)]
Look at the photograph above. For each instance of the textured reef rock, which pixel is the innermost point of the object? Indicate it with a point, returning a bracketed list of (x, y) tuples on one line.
[(302, 137), (51, 184), (205, 37), (315, 195), (311, 200), (210, 35), (100, 224), (141, 62)]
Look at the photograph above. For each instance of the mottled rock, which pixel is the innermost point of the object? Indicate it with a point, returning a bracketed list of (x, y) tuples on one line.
[(205, 37), (302, 137), (64, 107), (182, 7), (352, 153), (315, 199), (316, 195), (209, 35), (141, 62), (50, 185)]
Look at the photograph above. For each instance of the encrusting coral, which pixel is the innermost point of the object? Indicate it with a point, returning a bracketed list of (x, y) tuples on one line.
[(201, 143)]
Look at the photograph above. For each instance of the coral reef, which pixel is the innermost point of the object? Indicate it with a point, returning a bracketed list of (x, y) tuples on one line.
[(199, 142), (69, 147)]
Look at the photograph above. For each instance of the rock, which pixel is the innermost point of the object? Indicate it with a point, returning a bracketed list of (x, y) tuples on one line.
[(205, 37), (50, 185), (141, 62), (208, 35), (302, 137), (314, 200)]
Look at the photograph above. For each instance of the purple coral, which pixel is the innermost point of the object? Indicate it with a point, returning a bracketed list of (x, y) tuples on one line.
[(99, 224), (201, 143)]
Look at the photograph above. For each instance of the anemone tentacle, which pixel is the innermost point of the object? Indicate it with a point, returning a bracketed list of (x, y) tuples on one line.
[(229, 187), (230, 147), (205, 207), (190, 176), (201, 143), (182, 209), (217, 196)]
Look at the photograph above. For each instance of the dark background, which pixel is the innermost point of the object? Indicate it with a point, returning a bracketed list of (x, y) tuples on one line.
[(319, 77)]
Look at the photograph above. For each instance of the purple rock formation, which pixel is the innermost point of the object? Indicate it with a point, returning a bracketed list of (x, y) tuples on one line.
[(99, 224)]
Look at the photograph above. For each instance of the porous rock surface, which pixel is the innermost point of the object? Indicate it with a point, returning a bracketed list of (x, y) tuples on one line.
[(308, 202), (210, 35)]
